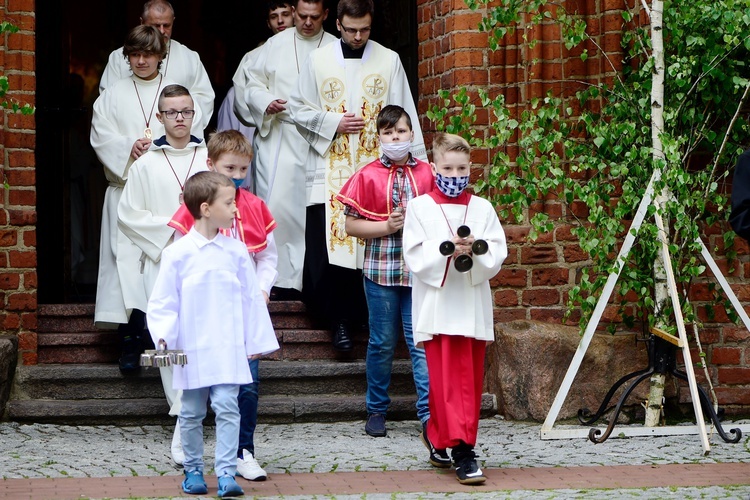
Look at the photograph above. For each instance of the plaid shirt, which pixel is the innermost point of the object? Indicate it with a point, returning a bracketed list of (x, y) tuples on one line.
[(384, 256)]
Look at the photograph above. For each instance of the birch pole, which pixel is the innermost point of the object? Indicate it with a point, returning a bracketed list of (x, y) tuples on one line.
[(661, 292)]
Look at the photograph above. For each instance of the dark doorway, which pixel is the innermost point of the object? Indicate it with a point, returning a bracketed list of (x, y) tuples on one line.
[(74, 39)]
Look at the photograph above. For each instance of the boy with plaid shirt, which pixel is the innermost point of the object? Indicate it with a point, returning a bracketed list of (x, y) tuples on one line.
[(376, 198)]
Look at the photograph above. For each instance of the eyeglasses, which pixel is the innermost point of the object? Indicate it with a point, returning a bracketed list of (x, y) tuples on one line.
[(354, 31), (187, 114)]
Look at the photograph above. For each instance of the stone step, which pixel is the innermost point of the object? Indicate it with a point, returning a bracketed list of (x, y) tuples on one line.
[(153, 411)]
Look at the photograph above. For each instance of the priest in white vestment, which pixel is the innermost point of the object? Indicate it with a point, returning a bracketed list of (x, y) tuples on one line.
[(262, 87), (181, 65), (342, 88)]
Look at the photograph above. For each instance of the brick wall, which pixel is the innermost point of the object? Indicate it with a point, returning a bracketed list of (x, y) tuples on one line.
[(537, 276), (18, 275)]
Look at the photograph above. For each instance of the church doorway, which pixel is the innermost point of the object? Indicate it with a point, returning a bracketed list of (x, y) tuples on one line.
[(74, 39)]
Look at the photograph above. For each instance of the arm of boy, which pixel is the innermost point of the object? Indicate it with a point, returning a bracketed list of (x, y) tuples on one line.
[(266, 262), (163, 309), (422, 252), (487, 265), (259, 334), (368, 229)]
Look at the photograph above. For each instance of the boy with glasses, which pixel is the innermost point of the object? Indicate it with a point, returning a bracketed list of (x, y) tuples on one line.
[(154, 192)]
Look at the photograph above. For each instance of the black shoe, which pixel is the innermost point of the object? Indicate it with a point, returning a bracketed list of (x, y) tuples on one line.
[(375, 425), (130, 358), (342, 342), (467, 469), (438, 458)]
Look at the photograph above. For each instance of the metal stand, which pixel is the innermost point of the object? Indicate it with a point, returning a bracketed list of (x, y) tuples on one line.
[(547, 431), (662, 358)]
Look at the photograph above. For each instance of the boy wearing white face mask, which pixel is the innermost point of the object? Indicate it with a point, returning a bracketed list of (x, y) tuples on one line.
[(452, 314), (375, 200)]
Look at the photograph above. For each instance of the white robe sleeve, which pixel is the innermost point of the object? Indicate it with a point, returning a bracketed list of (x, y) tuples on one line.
[(200, 89), (266, 263), (259, 334), (111, 146), (486, 266), (164, 305), (317, 126), (422, 254), (116, 69), (135, 217), (252, 98)]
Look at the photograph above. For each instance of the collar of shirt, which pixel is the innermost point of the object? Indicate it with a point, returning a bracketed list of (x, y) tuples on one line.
[(201, 241), (161, 142), (387, 162)]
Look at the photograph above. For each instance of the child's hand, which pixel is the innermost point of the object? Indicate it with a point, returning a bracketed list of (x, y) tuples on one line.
[(395, 221), (276, 106), (253, 357), (140, 147), (463, 245), (265, 296)]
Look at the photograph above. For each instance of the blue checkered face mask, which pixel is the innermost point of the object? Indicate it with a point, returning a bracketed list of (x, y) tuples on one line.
[(451, 186)]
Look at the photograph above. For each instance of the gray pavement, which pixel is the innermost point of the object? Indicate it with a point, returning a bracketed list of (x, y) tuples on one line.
[(53, 451)]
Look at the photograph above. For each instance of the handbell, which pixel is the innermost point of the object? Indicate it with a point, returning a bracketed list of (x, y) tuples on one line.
[(479, 247), (463, 263), (161, 360), (447, 248), (180, 359), (463, 231)]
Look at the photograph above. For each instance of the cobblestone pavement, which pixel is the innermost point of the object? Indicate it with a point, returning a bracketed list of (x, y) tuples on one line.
[(53, 451)]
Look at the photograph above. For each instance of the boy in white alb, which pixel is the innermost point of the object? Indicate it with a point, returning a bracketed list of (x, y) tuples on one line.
[(207, 303), (452, 310), (153, 193)]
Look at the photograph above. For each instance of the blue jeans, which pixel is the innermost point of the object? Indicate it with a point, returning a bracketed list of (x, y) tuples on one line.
[(224, 404), (390, 308), (248, 402)]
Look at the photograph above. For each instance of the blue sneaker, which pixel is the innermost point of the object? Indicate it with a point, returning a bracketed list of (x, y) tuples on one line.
[(194, 484), (228, 487)]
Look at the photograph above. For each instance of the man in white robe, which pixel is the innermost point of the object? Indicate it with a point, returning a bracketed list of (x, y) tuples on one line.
[(262, 88), (342, 88), (181, 65)]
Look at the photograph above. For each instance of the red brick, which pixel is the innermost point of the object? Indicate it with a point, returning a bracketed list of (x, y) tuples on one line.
[(21, 121), (29, 320), (8, 237), (736, 334), (10, 321), (541, 297), (26, 177), (547, 315), (506, 298), (30, 280), (9, 281), (507, 314), (734, 375), (27, 341), (21, 61), (29, 238), (726, 355), (22, 258), (18, 6), (550, 276), (29, 358), (19, 140), (512, 278), (23, 217), (22, 197), (22, 302), (21, 41), (538, 254), (574, 253)]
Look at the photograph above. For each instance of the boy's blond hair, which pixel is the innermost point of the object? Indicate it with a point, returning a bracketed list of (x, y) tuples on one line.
[(444, 143), (228, 141)]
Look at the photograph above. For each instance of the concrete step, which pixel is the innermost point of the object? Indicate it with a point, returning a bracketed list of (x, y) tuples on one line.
[(290, 391)]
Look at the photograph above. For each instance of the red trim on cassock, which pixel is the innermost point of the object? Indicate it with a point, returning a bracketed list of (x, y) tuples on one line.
[(455, 366), (369, 190), (253, 221), (462, 199)]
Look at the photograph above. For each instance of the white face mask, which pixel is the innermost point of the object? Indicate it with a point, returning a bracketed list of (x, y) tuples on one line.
[(396, 150)]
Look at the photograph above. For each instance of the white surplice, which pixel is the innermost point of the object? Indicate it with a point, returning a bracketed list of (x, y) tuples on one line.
[(206, 302), (150, 198), (268, 73), (329, 86), (118, 121), (181, 65), (445, 301)]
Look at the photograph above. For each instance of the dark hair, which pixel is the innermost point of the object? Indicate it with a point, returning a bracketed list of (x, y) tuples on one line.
[(324, 2), (145, 39), (201, 188), (159, 5), (390, 115), (277, 4), (354, 8), (173, 90)]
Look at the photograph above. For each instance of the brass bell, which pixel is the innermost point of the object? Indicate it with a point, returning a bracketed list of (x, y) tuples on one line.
[(147, 359), (180, 358), (161, 360)]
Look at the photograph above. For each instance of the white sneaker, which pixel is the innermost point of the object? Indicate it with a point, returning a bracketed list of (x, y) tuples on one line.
[(248, 467), (178, 456)]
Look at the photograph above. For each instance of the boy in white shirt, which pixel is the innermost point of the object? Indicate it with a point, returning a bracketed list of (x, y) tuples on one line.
[(206, 302)]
